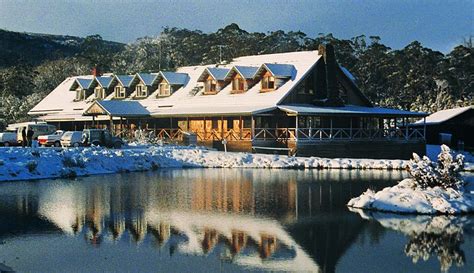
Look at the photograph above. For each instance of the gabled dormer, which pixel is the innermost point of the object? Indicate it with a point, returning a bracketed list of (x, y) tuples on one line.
[(82, 87), (124, 86), (102, 87), (242, 78), (214, 80), (146, 85), (168, 82), (272, 75)]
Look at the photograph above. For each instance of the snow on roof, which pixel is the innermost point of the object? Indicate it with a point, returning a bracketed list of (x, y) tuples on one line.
[(104, 81), (217, 73), (187, 98), (308, 109), (174, 78), (444, 115), (147, 78), (279, 70), (120, 108), (125, 80)]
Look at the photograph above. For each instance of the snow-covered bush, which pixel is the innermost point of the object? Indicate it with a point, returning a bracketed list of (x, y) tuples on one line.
[(73, 161), (443, 173), (32, 165)]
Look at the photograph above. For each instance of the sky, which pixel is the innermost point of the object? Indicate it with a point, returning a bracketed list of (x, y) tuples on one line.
[(439, 25)]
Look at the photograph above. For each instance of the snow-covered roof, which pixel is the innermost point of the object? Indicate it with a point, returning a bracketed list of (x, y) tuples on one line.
[(104, 81), (188, 98), (444, 115), (308, 109), (174, 78), (125, 80), (147, 78), (278, 70), (215, 72), (119, 108)]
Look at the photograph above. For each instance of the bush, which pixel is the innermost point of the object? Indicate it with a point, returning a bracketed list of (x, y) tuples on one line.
[(443, 173), (70, 162)]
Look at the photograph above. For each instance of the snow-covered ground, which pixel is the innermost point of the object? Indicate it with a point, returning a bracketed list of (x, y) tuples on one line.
[(27, 163)]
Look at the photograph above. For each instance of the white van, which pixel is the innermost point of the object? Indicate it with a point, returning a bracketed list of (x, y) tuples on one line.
[(38, 129), (71, 139)]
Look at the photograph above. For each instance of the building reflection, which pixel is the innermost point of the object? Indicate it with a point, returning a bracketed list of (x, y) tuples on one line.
[(267, 219)]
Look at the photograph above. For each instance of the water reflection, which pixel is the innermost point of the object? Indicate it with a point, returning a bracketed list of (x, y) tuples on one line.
[(440, 236), (256, 219)]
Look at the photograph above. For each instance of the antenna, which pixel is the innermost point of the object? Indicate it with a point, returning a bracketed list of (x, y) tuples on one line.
[(220, 52)]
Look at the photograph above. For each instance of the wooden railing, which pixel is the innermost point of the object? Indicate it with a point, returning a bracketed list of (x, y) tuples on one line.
[(315, 134)]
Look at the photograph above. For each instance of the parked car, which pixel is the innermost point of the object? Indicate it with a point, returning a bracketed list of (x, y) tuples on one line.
[(8, 139), (38, 129), (71, 139), (51, 140), (100, 137)]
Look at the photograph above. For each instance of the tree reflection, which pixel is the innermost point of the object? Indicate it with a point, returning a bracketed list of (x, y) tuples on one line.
[(428, 236)]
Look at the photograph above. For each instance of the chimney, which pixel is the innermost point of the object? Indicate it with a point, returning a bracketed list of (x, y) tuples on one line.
[(95, 71), (333, 97)]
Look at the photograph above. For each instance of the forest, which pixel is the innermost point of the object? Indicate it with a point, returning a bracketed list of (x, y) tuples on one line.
[(414, 77)]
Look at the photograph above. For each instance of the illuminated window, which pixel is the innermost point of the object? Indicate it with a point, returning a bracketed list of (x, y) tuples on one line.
[(80, 94), (141, 91), (268, 83), (211, 86), (99, 93), (238, 83), (119, 92), (165, 90)]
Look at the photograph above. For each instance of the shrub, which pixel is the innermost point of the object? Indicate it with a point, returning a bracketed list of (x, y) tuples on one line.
[(70, 162), (443, 173)]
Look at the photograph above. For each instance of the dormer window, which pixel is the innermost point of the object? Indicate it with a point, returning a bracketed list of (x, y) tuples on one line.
[(80, 94), (165, 90), (120, 92), (99, 93), (141, 91), (268, 82), (210, 86), (238, 84)]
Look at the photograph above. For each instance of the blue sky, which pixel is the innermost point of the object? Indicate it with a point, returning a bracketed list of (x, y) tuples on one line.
[(436, 24)]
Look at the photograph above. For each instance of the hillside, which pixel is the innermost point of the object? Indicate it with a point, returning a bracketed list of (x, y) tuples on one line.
[(34, 48)]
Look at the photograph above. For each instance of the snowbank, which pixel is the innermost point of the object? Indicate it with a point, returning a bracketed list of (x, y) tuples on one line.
[(406, 197), (433, 188), (27, 163)]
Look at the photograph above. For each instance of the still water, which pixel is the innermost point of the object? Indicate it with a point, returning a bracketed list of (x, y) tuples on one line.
[(223, 220)]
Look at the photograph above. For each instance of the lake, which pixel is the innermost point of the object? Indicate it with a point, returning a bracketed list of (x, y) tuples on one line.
[(224, 220)]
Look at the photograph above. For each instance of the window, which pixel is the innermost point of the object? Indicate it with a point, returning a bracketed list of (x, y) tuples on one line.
[(80, 94), (211, 86), (120, 92), (141, 91), (238, 84), (165, 90), (268, 83), (99, 93)]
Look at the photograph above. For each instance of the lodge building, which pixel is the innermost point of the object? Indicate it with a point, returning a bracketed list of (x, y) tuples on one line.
[(301, 102)]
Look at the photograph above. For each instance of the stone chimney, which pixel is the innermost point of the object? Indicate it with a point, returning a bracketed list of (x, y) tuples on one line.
[(95, 72), (333, 96)]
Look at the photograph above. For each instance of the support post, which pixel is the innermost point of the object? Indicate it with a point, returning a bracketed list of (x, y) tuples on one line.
[(350, 130), (252, 125), (424, 128), (330, 129), (112, 131), (406, 128), (241, 127), (296, 128), (222, 127)]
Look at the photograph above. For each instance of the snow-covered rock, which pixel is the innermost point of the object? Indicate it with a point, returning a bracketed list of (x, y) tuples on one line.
[(406, 197)]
